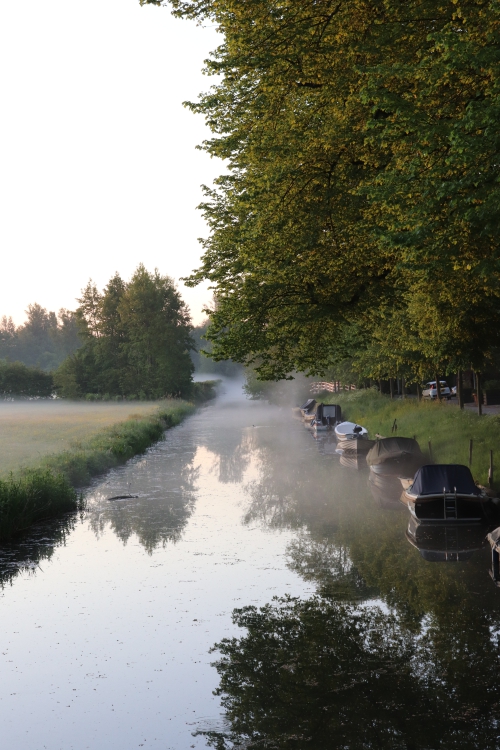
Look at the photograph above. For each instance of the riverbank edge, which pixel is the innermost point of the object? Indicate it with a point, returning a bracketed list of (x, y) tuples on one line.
[(52, 488), (447, 428)]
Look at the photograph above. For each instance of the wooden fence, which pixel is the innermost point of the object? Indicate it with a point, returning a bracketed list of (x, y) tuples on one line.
[(334, 387)]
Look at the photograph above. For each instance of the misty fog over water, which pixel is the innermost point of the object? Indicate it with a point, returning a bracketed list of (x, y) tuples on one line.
[(107, 618)]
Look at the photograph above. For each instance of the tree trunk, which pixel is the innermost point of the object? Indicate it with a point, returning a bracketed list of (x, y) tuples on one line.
[(391, 387), (438, 388), (380, 388), (403, 386), (479, 394), (419, 392), (460, 389)]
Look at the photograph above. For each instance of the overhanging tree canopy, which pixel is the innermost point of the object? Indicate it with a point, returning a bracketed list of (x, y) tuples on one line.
[(362, 175)]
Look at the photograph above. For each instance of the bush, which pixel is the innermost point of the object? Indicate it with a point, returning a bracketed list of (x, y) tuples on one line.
[(17, 379)]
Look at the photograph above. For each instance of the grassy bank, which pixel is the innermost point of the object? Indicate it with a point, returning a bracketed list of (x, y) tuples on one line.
[(447, 427), (49, 489)]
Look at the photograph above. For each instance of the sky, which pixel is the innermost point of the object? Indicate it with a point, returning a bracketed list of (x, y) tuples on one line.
[(98, 166)]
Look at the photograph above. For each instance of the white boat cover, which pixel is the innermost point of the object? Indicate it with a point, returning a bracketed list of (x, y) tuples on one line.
[(350, 428)]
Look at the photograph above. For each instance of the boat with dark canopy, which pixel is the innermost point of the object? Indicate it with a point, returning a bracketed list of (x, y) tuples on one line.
[(326, 417), (446, 492), (395, 456), (308, 410)]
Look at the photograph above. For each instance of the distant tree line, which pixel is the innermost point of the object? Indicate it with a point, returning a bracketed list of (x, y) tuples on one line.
[(43, 341), (132, 340)]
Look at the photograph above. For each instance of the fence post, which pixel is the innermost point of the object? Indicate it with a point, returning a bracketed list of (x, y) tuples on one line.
[(460, 389)]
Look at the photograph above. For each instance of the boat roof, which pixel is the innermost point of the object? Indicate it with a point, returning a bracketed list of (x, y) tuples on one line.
[(309, 404), (393, 447), (433, 480), (329, 409)]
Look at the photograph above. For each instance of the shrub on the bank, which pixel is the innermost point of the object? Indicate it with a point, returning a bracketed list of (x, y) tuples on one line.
[(204, 390)]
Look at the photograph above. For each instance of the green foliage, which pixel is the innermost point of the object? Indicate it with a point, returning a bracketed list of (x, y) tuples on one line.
[(17, 379), (204, 390), (137, 341), (36, 495), (44, 341), (361, 189)]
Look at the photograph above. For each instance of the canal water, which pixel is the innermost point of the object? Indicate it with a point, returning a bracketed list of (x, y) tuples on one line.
[(337, 622)]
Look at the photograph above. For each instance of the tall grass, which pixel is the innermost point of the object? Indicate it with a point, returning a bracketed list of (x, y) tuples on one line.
[(33, 497), (48, 490), (447, 427)]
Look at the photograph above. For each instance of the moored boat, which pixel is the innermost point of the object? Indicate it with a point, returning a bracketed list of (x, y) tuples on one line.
[(445, 493), (398, 456), (350, 431), (326, 417), (494, 540), (308, 410)]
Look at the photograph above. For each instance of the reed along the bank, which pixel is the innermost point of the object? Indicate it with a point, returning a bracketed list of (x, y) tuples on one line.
[(448, 428), (46, 491)]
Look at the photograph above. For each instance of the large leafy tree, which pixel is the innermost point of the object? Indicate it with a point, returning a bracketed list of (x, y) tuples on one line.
[(137, 340), (362, 169)]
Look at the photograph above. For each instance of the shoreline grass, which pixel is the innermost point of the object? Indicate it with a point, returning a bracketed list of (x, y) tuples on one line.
[(447, 427), (42, 492)]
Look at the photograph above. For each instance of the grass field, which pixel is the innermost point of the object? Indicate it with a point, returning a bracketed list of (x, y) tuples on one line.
[(447, 427), (32, 430), (51, 448)]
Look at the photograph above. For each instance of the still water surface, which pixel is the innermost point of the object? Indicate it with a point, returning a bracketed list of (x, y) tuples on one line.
[(373, 639)]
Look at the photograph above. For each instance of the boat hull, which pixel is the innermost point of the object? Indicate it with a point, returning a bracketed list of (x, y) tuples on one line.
[(359, 446), (447, 508)]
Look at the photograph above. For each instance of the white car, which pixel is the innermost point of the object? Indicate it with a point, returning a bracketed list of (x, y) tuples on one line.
[(430, 390)]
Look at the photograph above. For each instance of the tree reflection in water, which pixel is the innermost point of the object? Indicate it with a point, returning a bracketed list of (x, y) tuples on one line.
[(166, 485), (27, 554), (418, 670), (320, 674)]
